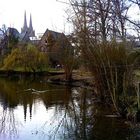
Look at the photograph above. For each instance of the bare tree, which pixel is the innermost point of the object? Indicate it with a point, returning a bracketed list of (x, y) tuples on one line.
[(120, 10), (107, 60)]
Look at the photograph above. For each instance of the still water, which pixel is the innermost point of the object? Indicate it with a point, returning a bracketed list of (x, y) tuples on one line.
[(33, 110)]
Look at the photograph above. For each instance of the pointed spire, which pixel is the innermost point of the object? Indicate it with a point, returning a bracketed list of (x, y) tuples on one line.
[(25, 21), (31, 31), (27, 30), (30, 24)]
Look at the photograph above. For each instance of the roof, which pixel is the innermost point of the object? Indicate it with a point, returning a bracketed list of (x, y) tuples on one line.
[(56, 35), (13, 32)]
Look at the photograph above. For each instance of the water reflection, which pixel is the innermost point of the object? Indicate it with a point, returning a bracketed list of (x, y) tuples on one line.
[(34, 110), (74, 119)]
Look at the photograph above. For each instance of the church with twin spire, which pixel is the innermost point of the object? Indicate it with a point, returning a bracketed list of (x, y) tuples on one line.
[(27, 32)]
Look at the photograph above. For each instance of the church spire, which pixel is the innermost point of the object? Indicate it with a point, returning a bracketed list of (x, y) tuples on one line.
[(26, 31), (25, 22), (30, 24), (31, 31)]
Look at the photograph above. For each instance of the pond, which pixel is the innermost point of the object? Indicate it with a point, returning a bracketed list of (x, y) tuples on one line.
[(34, 110)]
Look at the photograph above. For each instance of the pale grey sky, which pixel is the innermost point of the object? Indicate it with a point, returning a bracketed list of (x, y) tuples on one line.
[(45, 14)]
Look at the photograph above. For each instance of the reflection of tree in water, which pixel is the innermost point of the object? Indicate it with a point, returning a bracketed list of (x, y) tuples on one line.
[(10, 99), (80, 118), (9, 125), (74, 119), (71, 112), (13, 94)]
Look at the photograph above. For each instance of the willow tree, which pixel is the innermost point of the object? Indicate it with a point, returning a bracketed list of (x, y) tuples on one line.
[(26, 59)]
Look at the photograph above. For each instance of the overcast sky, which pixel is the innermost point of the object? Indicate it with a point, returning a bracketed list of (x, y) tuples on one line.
[(45, 14)]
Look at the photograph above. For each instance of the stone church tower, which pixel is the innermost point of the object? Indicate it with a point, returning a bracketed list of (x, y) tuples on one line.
[(27, 32)]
